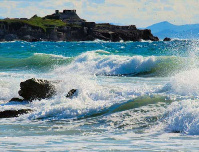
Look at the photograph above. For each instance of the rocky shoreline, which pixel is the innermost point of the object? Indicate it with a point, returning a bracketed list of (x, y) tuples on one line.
[(68, 26), (106, 32)]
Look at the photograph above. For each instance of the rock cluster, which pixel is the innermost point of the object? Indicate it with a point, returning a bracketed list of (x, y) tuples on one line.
[(33, 89)]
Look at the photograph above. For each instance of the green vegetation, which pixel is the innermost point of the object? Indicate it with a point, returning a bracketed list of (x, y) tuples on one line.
[(37, 22)]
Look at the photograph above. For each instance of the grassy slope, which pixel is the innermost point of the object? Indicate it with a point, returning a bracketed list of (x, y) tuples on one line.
[(37, 22)]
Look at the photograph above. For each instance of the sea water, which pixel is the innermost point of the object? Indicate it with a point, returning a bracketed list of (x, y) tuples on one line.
[(132, 96)]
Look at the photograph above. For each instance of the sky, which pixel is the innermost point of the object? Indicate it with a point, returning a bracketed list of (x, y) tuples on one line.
[(141, 13)]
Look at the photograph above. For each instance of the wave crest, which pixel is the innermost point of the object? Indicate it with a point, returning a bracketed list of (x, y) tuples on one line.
[(36, 61), (99, 64)]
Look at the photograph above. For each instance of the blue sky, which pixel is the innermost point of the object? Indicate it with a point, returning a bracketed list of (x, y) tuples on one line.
[(139, 12)]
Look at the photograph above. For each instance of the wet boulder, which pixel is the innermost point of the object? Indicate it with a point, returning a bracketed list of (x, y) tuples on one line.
[(13, 113), (36, 89)]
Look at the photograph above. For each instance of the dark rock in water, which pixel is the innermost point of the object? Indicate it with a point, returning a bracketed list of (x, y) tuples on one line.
[(32, 89), (71, 93), (176, 131), (10, 37), (13, 113), (16, 100), (167, 39)]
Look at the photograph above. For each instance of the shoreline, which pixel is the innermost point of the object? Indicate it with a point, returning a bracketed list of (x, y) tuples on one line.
[(98, 40)]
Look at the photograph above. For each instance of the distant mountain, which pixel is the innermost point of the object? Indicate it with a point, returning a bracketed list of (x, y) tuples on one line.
[(166, 29)]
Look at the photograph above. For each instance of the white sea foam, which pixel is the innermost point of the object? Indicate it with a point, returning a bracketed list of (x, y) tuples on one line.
[(93, 97), (102, 51), (94, 94), (99, 41), (8, 88), (149, 41), (51, 55), (183, 117)]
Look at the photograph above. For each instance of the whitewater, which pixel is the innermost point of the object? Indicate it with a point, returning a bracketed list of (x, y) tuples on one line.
[(132, 96)]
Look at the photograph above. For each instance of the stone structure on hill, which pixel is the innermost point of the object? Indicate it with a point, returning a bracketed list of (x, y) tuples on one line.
[(68, 16)]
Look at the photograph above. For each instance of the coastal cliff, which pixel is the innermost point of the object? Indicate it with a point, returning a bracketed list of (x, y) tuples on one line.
[(68, 26)]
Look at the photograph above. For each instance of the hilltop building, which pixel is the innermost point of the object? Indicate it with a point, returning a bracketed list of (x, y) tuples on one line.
[(68, 16)]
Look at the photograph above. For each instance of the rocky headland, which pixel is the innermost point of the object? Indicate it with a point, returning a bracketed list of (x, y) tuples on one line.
[(68, 26)]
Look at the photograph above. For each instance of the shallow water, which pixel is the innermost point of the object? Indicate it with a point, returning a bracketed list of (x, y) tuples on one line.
[(132, 96)]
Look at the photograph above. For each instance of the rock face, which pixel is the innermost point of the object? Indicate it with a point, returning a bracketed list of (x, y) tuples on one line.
[(10, 37), (167, 39), (29, 38), (33, 89), (113, 33)]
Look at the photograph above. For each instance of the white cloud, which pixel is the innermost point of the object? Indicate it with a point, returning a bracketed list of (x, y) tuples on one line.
[(139, 12)]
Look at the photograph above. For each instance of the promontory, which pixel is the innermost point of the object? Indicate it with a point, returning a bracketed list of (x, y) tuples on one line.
[(68, 26)]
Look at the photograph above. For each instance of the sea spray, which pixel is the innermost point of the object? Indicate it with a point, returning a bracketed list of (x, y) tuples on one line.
[(185, 83), (183, 117)]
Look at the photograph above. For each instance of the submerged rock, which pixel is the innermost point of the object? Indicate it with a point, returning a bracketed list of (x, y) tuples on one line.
[(71, 93), (33, 89), (13, 113)]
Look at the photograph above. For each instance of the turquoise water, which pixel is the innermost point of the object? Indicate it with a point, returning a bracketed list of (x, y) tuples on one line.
[(132, 96)]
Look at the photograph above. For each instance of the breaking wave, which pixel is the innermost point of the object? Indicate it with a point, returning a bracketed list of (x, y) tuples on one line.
[(114, 65)]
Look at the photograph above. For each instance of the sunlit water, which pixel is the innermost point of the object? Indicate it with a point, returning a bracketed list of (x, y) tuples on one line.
[(132, 96)]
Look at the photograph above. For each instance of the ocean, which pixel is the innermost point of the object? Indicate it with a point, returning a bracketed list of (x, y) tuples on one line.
[(132, 96)]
